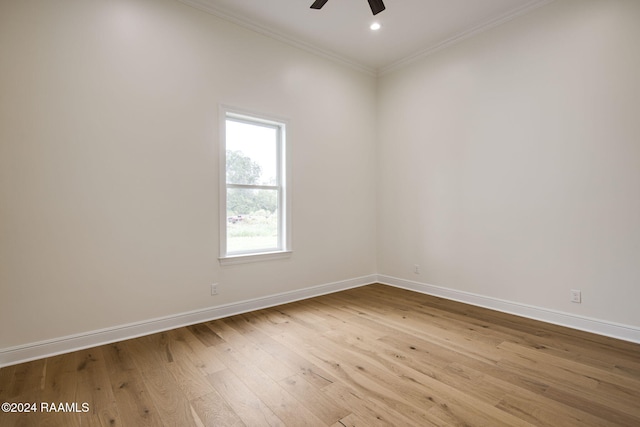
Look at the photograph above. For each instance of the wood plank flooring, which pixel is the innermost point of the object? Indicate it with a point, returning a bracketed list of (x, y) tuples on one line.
[(371, 356)]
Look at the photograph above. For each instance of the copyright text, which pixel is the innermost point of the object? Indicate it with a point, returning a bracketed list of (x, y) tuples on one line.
[(22, 407)]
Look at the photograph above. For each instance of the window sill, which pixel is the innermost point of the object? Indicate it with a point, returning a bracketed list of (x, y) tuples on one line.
[(245, 259)]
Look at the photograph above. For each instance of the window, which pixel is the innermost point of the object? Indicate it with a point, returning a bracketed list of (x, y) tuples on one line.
[(255, 213)]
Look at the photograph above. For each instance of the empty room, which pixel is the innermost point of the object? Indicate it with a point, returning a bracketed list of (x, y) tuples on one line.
[(326, 213)]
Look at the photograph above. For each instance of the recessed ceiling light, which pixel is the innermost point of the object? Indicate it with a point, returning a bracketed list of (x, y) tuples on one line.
[(375, 26)]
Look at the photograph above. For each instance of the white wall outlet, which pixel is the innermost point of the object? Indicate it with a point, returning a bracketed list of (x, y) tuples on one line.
[(214, 289), (576, 296), (416, 269)]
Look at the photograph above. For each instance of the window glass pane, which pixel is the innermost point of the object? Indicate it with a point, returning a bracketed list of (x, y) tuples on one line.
[(252, 219), (251, 154)]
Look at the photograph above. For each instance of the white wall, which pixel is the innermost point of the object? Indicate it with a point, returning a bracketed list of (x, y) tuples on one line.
[(109, 163), (509, 165)]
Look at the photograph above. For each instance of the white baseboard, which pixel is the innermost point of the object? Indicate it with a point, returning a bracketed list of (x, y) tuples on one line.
[(600, 327), (52, 347)]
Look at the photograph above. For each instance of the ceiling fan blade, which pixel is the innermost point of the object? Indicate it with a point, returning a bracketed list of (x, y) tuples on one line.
[(318, 4), (376, 6)]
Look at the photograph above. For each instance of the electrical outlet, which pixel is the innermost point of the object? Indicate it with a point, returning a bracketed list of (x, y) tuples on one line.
[(214, 289), (576, 296), (416, 269)]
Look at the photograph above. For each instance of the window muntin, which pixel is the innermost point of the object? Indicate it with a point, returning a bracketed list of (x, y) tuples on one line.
[(254, 202)]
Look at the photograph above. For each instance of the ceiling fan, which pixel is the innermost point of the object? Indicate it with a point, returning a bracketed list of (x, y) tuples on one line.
[(376, 5)]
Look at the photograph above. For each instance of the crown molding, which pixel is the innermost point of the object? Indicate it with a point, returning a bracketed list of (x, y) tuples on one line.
[(205, 6), (485, 26)]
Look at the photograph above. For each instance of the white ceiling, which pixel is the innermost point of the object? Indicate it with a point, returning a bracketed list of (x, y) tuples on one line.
[(410, 28)]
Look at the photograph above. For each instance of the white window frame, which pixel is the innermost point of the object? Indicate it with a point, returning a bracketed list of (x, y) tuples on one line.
[(283, 186)]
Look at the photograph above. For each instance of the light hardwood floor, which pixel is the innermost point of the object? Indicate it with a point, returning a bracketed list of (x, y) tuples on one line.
[(371, 356)]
